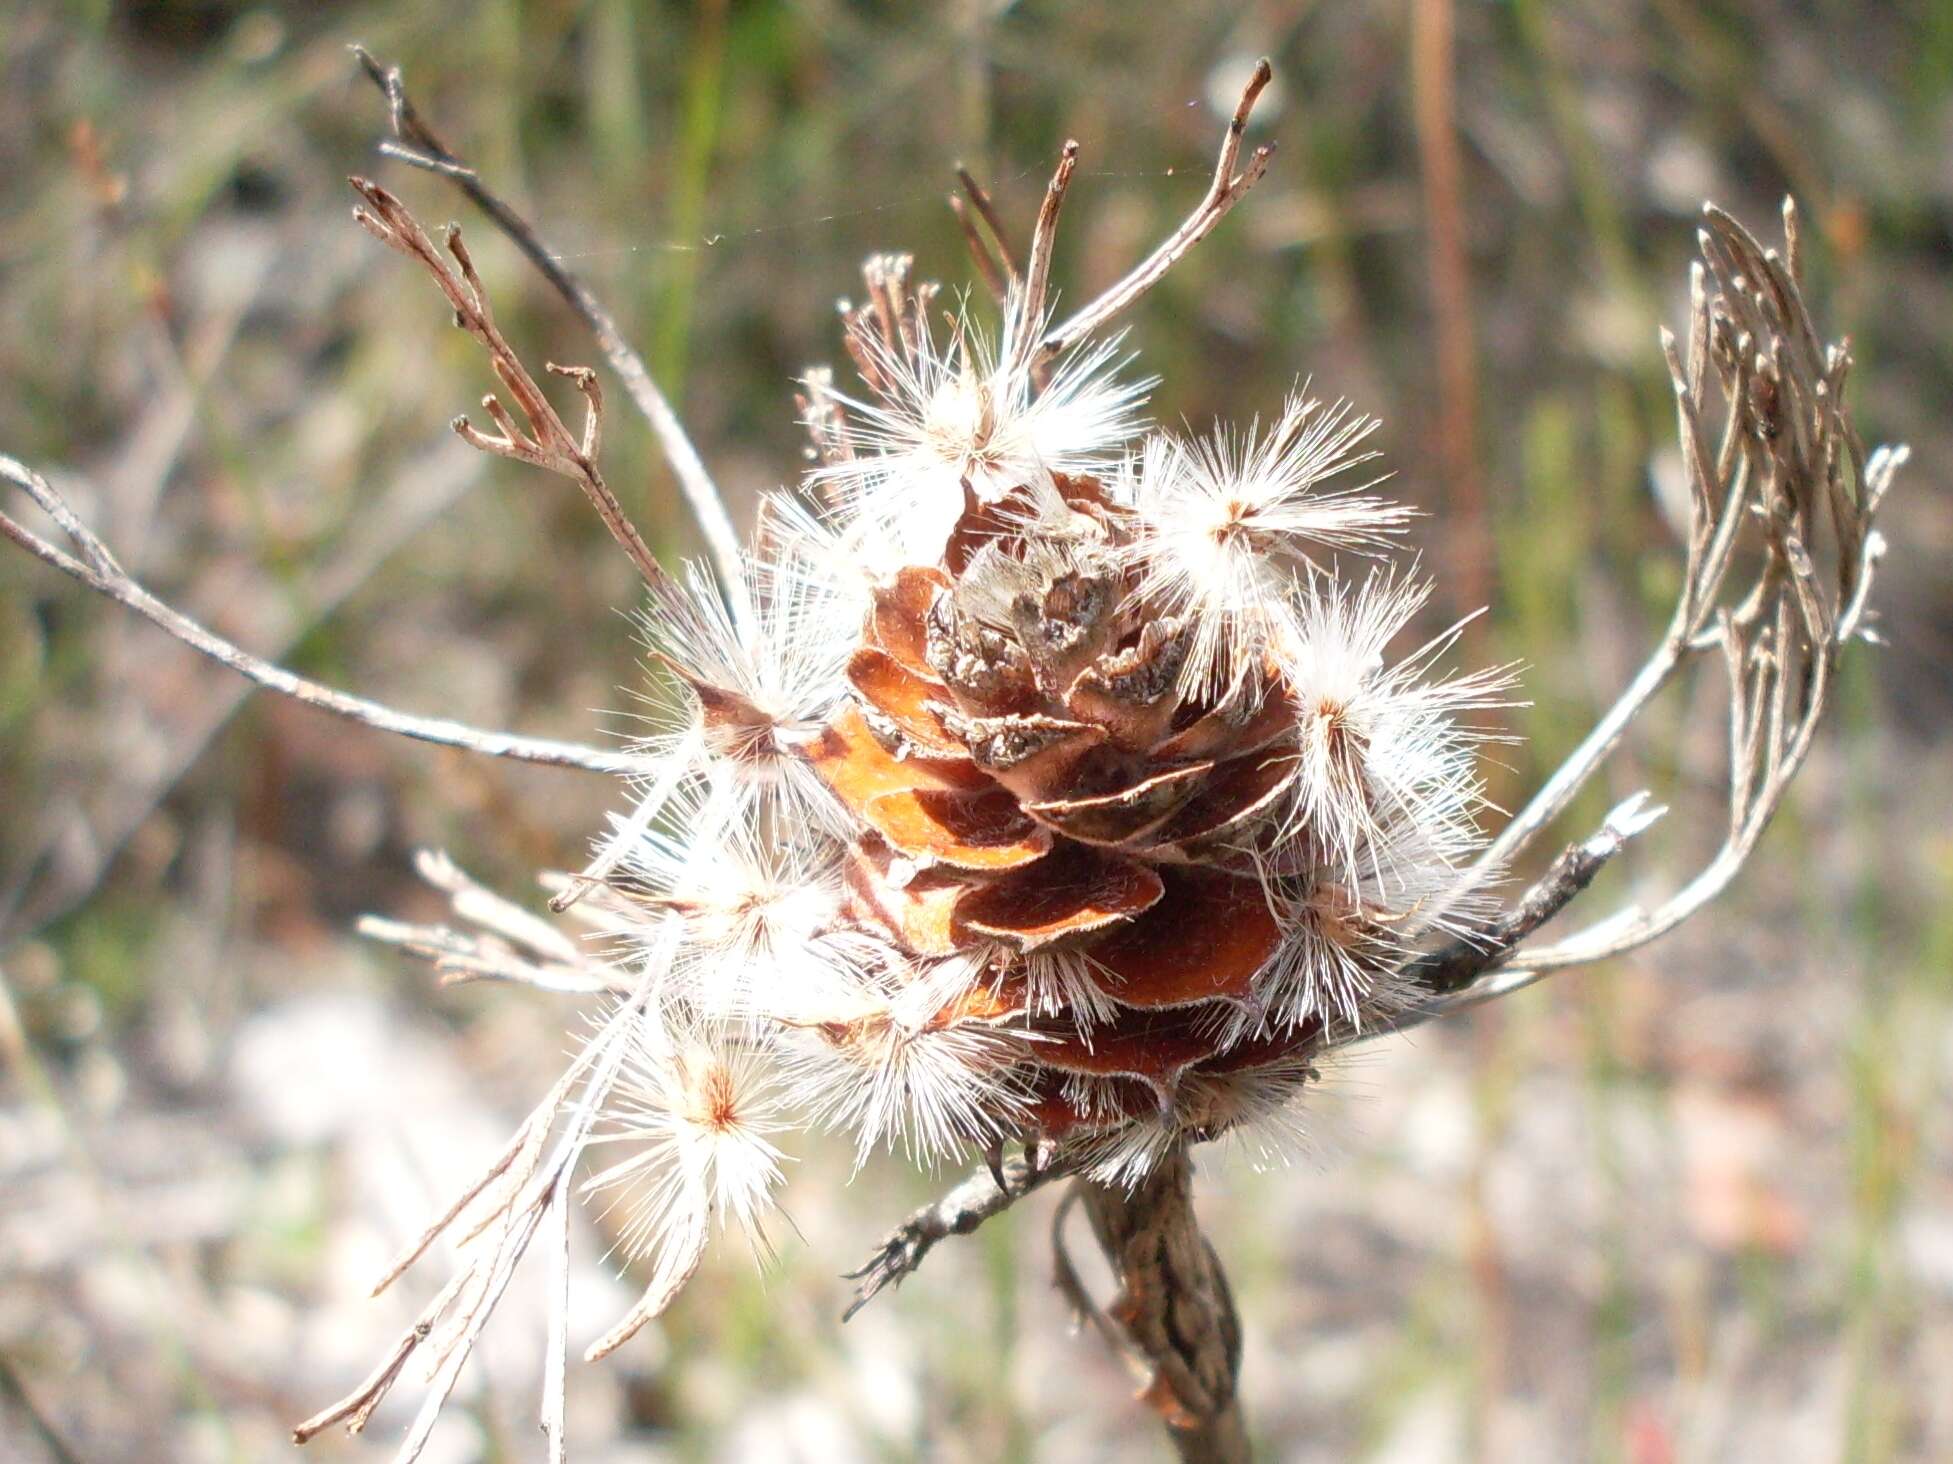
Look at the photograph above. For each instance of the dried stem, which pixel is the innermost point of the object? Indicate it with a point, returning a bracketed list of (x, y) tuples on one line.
[(987, 211), (1174, 1310), (1227, 189), (1044, 243), (546, 441), (97, 568), (994, 277), (1174, 1318), (999, 269), (495, 1220), (1456, 965), (417, 145), (1787, 467), (506, 943), (975, 1200)]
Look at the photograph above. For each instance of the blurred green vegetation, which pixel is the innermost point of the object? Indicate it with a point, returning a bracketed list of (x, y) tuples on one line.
[(251, 398)]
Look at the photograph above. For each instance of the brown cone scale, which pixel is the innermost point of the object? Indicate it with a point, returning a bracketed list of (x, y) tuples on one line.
[(1033, 782)]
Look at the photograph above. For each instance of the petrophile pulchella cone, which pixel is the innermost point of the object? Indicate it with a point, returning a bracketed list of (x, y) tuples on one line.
[(1118, 810)]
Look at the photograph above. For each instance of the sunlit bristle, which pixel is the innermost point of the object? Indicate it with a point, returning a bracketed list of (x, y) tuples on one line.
[(1381, 744), (743, 698), (1229, 523), (967, 410), (747, 908), (694, 1114), (932, 1091)]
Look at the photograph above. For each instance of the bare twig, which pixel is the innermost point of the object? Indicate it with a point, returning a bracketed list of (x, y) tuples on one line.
[(1454, 966), (1044, 241), (960, 1211), (999, 269), (97, 568), (1788, 467), (357, 1406), (994, 277), (1174, 1308), (545, 441), (1226, 190), (554, 1410), (987, 211), (506, 943), (86, 835), (417, 145), (512, 1199)]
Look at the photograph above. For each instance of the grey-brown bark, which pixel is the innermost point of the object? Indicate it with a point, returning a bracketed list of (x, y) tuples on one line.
[(1174, 1313)]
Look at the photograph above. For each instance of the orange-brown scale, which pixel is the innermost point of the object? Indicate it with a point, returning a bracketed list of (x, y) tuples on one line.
[(1036, 784)]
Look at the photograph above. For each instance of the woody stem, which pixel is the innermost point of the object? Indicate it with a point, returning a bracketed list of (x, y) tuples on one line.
[(1174, 1314)]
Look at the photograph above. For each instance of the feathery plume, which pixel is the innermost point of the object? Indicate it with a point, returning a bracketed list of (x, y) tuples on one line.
[(1227, 523)]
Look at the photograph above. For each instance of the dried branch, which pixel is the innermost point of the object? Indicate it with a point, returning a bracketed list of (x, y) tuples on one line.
[(546, 442), (417, 145), (1787, 469), (507, 943), (95, 824), (504, 1210), (1044, 242), (97, 568), (980, 201), (1174, 1311), (998, 268), (976, 1199), (1227, 189), (556, 1361), (15, 1391), (994, 277), (1456, 965)]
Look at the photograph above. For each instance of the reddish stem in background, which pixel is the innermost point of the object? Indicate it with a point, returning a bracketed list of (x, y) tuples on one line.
[(1467, 531)]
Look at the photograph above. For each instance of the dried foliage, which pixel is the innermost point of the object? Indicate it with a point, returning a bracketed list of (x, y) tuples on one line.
[(1039, 780)]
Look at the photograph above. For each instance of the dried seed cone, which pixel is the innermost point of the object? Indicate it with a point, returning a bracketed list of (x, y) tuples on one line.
[(1115, 843), (1060, 791)]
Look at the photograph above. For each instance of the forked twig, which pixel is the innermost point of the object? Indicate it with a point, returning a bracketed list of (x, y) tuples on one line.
[(416, 144), (545, 441), (994, 277), (980, 201), (1787, 468), (510, 1201), (1456, 965), (1227, 189), (999, 269), (1003, 277), (498, 941), (959, 1211)]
